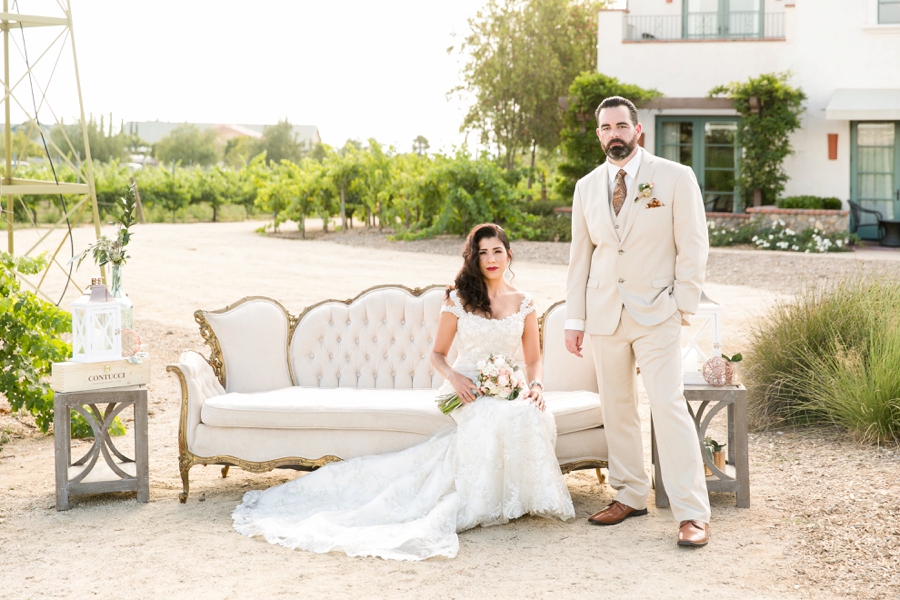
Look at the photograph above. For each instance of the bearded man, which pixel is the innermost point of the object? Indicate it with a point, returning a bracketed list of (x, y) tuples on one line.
[(636, 269)]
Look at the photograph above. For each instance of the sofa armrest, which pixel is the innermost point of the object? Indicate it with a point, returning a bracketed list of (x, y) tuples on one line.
[(198, 383)]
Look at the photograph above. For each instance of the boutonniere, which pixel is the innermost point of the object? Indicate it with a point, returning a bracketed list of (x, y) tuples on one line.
[(645, 190)]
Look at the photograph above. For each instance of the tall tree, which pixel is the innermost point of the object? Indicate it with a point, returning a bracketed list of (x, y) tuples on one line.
[(420, 145), (580, 145), (104, 147), (189, 145), (280, 143), (521, 56)]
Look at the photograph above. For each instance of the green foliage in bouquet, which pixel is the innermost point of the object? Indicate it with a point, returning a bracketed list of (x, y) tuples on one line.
[(106, 250)]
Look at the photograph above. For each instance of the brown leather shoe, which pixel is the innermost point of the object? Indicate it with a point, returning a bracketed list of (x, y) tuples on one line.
[(693, 533), (615, 513)]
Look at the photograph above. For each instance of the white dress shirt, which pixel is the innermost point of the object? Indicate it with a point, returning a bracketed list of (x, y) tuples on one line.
[(631, 170)]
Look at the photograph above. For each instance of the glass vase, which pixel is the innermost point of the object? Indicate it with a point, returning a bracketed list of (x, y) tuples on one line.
[(119, 294)]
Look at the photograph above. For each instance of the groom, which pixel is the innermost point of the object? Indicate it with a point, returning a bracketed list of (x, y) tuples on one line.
[(638, 258)]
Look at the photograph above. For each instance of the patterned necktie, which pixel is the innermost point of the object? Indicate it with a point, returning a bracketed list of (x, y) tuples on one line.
[(619, 192)]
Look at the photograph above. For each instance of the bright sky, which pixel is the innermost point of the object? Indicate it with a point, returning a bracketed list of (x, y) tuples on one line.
[(354, 68)]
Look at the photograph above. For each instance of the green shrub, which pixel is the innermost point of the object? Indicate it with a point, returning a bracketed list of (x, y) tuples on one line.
[(830, 356), (456, 193), (555, 228), (543, 208), (30, 330), (858, 389), (810, 203)]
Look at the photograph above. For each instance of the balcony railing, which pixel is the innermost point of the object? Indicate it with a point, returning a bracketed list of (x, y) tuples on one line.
[(704, 26)]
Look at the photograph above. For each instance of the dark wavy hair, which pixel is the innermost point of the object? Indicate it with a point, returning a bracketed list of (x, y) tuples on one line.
[(469, 282)]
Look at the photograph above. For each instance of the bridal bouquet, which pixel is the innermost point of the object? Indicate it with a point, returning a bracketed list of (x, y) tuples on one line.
[(495, 377)]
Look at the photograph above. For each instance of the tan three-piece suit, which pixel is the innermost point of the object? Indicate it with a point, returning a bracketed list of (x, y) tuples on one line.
[(629, 275)]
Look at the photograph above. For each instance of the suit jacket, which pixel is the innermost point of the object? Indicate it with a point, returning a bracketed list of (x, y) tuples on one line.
[(658, 266)]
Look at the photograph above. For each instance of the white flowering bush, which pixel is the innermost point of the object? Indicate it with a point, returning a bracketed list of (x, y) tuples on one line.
[(781, 237)]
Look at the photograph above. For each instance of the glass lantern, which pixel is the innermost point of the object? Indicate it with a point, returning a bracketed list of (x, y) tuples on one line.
[(701, 340), (96, 326)]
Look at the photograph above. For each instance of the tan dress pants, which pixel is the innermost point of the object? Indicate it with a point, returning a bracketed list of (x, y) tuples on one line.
[(657, 349)]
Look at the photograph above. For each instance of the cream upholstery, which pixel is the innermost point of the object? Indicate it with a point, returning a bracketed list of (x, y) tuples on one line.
[(381, 341), (260, 445), (410, 411), (354, 379), (253, 337), (574, 411), (562, 370), (584, 445), (201, 384)]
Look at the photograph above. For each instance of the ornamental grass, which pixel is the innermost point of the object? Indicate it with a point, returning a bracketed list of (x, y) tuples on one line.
[(830, 356)]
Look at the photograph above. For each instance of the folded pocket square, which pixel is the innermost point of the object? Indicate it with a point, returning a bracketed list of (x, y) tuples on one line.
[(655, 203)]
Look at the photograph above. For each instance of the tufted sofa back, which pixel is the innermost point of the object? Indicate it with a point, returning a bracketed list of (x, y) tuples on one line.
[(381, 339)]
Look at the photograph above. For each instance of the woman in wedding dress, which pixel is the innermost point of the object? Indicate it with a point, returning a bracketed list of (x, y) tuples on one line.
[(497, 464)]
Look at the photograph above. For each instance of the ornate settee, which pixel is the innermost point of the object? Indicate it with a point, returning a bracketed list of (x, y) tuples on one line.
[(346, 379)]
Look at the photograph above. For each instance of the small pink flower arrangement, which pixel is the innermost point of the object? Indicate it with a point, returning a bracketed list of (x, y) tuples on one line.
[(496, 377)]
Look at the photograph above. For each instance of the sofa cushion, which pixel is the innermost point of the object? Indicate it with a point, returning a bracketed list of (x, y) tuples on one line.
[(253, 337), (409, 411), (574, 411), (563, 370)]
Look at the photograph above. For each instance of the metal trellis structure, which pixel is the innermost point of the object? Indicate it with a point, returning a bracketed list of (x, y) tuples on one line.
[(29, 95)]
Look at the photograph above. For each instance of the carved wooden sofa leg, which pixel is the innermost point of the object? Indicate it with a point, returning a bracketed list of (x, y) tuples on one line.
[(225, 471), (600, 476), (185, 466)]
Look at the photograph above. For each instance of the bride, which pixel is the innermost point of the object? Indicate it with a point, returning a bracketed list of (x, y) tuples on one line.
[(497, 464)]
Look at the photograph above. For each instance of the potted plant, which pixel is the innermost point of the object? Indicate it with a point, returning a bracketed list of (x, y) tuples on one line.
[(715, 451), (734, 361)]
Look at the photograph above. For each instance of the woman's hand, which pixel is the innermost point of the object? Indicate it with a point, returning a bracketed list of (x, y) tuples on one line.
[(464, 387), (536, 396)]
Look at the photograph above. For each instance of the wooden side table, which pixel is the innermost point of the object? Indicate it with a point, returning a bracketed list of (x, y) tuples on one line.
[(736, 477), (116, 472)]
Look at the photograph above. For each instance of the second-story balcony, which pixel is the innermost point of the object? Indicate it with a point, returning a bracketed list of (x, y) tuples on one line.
[(753, 25)]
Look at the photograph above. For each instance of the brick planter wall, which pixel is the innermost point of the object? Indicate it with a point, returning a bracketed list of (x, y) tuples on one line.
[(728, 220), (831, 221)]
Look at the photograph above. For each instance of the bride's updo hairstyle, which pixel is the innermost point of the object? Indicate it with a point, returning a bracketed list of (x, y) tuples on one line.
[(469, 283)]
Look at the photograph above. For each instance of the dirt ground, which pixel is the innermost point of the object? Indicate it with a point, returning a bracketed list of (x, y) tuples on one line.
[(824, 520)]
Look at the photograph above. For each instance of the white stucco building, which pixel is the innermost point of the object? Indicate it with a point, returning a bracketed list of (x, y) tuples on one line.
[(844, 54)]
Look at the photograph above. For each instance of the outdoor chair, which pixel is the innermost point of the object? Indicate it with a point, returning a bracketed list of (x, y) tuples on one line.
[(856, 216)]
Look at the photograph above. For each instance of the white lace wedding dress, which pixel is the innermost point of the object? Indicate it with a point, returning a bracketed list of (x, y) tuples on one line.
[(497, 464)]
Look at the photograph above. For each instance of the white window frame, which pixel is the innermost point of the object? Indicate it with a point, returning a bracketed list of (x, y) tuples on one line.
[(872, 23)]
